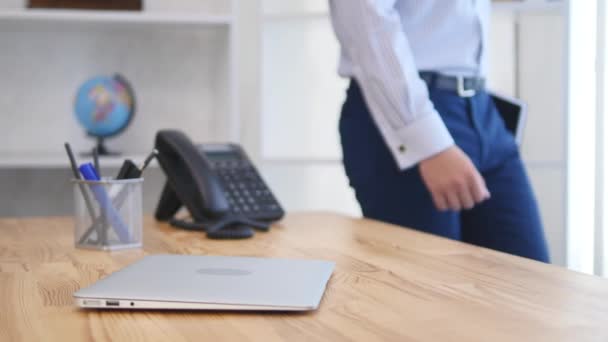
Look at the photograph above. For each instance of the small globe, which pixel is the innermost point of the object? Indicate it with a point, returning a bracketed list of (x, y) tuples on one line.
[(105, 106)]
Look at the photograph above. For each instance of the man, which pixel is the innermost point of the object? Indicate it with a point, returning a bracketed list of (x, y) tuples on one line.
[(423, 144)]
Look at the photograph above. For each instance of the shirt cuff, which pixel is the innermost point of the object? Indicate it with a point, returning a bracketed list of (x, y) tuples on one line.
[(420, 140)]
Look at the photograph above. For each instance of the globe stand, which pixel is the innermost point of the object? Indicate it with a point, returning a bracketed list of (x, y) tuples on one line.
[(102, 150)]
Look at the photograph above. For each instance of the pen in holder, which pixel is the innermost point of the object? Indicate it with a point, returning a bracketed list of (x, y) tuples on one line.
[(115, 221)]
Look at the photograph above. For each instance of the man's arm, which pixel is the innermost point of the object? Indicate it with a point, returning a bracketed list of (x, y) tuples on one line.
[(371, 34)]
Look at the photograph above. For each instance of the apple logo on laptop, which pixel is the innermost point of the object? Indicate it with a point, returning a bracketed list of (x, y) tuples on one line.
[(223, 271)]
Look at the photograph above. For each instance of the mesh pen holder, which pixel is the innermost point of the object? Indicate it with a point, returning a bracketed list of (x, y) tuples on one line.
[(108, 213)]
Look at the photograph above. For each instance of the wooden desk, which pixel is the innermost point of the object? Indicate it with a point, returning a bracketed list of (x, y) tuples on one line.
[(389, 284)]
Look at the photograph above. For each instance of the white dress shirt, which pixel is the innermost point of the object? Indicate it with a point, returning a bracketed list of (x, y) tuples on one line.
[(384, 45)]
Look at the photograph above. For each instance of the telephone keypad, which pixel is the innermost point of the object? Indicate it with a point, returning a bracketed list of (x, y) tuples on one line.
[(245, 190)]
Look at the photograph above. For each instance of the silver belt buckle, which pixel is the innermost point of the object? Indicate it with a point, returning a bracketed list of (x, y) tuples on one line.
[(460, 88)]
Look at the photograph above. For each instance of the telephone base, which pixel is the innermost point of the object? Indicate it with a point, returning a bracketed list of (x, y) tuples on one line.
[(226, 228)]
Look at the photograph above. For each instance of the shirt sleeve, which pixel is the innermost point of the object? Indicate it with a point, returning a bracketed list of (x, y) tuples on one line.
[(371, 35)]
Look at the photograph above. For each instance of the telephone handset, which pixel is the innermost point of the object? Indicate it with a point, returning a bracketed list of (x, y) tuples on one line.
[(217, 183)]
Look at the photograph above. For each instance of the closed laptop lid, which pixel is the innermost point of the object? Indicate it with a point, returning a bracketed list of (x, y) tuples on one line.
[(217, 280)]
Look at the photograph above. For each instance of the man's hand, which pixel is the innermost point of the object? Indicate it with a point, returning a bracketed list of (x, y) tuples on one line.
[(453, 180)]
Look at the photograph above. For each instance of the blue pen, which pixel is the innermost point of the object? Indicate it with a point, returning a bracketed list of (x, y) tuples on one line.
[(88, 172)]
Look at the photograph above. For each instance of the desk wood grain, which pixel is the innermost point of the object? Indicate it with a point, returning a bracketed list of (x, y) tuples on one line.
[(390, 284)]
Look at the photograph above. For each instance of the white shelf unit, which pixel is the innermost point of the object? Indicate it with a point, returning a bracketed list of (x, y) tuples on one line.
[(186, 68)]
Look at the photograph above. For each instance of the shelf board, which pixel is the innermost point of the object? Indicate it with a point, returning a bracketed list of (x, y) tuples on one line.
[(112, 17), (10, 160), (272, 17), (508, 6), (528, 6)]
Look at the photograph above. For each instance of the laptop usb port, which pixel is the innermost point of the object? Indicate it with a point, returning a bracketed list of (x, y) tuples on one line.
[(112, 303)]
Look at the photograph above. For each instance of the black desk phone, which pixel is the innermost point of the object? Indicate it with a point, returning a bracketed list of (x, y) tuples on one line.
[(219, 186)]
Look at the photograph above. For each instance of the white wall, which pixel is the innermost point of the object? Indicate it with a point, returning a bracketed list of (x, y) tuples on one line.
[(541, 85), (301, 99)]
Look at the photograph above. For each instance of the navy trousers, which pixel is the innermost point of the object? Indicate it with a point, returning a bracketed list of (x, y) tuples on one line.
[(509, 221)]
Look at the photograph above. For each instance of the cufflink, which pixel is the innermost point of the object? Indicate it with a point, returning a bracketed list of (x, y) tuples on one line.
[(402, 148)]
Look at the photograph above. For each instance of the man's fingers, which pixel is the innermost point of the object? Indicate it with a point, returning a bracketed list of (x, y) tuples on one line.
[(453, 200), (466, 198), (463, 195), (478, 189), (440, 202)]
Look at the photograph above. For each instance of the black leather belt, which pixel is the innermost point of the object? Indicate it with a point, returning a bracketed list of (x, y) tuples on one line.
[(463, 86)]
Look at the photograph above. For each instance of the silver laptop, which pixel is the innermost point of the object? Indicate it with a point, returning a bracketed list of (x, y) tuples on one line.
[(211, 283)]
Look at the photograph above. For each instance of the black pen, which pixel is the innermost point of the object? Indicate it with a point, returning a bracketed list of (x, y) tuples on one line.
[(129, 170), (96, 161), (151, 156)]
